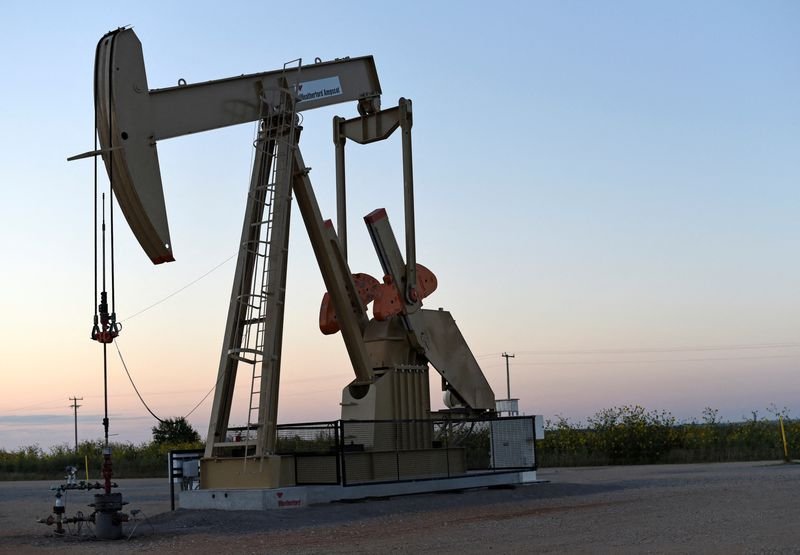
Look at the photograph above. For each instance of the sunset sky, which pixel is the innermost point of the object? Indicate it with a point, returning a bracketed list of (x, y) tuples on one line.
[(608, 190)]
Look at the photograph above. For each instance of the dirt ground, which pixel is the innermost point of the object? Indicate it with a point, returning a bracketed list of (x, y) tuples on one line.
[(709, 508)]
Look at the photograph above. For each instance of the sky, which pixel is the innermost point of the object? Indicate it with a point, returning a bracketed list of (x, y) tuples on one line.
[(607, 190)]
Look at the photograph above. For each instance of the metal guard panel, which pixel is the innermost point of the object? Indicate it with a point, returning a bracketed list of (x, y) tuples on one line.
[(124, 121), (448, 352)]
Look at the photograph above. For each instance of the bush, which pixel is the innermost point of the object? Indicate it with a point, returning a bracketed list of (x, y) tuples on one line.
[(147, 460), (634, 435)]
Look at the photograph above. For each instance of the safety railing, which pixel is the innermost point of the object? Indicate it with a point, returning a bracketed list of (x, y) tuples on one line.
[(316, 450), (354, 452)]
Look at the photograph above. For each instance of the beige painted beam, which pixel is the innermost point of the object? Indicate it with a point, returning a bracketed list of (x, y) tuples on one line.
[(350, 313)]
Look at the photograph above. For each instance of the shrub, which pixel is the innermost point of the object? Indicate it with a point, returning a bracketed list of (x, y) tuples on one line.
[(129, 461), (634, 435)]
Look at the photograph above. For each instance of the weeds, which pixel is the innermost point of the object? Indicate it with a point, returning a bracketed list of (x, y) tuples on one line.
[(619, 435), (129, 461), (634, 435)]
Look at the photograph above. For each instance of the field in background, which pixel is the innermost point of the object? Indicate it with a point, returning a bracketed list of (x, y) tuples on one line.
[(147, 460), (620, 435), (634, 435)]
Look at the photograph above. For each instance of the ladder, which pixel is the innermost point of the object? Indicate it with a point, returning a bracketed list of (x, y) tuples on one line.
[(268, 286), (255, 319)]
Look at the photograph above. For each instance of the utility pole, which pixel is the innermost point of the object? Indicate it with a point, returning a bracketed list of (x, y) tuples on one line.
[(508, 378), (75, 406)]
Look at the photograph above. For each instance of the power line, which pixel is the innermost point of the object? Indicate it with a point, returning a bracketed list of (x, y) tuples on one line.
[(508, 378), (130, 378), (651, 361), (213, 387), (134, 385), (33, 406), (188, 414), (135, 314), (75, 406), (622, 350), (661, 349)]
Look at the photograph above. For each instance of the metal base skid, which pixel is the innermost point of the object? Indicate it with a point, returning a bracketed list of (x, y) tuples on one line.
[(301, 496)]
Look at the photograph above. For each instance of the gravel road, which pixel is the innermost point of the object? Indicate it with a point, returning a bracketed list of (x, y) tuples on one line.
[(708, 508)]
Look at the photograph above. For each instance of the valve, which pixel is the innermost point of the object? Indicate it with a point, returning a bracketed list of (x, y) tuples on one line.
[(59, 509), (106, 327), (107, 471)]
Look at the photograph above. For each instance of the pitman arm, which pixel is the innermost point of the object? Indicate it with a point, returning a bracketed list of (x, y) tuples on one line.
[(352, 316)]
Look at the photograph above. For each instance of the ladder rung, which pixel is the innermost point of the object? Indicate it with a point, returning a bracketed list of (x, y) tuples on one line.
[(242, 359), (243, 443), (258, 241), (244, 350), (256, 253), (244, 296), (243, 301)]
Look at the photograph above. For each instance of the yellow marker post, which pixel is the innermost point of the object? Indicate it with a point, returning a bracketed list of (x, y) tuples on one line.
[(785, 447), (86, 465)]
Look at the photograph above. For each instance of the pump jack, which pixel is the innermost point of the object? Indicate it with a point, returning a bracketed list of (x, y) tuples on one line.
[(390, 352)]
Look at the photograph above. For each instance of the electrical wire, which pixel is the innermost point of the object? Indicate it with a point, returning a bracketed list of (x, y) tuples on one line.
[(640, 361), (33, 406), (188, 414), (746, 346), (210, 391), (134, 315), (125, 366), (664, 349), (130, 378)]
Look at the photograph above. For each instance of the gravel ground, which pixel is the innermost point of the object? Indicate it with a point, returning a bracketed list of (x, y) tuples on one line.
[(709, 508)]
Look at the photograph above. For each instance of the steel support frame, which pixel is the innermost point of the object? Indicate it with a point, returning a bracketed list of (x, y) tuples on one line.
[(266, 147), (292, 175), (367, 129)]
